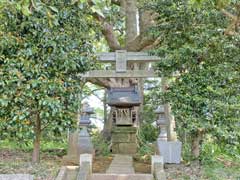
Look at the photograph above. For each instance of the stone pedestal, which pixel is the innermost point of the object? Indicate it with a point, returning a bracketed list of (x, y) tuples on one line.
[(124, 140), (79, 143), (170, 151)]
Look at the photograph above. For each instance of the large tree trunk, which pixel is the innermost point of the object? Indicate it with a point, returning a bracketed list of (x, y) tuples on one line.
[(36, 142), (196, 141), (131, 21)]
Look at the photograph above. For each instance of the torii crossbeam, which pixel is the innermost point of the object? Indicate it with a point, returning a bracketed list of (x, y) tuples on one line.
[(121, 59)]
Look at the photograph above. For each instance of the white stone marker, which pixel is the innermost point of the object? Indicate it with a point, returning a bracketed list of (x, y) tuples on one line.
[(156, 159), (86, 158)]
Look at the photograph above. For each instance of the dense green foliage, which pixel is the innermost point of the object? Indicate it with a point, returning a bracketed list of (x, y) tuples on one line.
[(205, 93), (43, 48)]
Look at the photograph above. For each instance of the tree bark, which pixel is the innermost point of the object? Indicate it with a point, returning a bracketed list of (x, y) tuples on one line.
[(107, 120), (108, 126), (196, 140), (36, 142)]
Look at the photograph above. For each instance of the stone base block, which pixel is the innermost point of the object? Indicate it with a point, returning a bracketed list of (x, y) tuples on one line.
[(170, 151), (124, 140), (124, 148)]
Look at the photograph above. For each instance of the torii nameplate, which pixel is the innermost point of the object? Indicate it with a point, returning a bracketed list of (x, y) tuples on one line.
[(121, 57)]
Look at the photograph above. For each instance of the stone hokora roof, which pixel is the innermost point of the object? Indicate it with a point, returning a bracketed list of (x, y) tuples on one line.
[(123, 97)]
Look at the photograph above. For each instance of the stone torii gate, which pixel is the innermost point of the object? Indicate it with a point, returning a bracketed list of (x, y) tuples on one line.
[(121, 58), (124, 135)]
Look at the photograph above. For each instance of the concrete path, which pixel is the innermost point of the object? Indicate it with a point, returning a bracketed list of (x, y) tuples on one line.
[(121, 164)]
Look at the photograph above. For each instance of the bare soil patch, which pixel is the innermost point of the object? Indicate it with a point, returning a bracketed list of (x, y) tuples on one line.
[(15, 161)]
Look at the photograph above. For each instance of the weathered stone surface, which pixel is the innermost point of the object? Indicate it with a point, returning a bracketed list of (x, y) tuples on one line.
[(114, 74), (170, 150), (121, 164), (130, 56), (16, 177), (156, 161), (124, 129), (68, 173), (121, 61), (85, 171), (157, 168), (124, 140), (124, 137), (86, 158), (122, 177), (127, 148)]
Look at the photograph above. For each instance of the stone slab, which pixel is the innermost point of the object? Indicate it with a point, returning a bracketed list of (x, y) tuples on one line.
[(84, 171), (16, 177), (114, 74), (121, 164), (125, 129), (128, 148), (86, 158), (170, 151), (156, 161), (67, 173), (122, 137), (122, 177), (108, 57)]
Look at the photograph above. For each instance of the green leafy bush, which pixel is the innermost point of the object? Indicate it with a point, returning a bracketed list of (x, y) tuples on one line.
[(101, 146)]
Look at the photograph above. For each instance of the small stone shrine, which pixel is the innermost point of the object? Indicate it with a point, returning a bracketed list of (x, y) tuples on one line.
[(80, 141), (123, 101), (167, 146)]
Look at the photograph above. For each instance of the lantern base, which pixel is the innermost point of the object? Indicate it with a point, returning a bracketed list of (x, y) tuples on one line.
[(170, 150)]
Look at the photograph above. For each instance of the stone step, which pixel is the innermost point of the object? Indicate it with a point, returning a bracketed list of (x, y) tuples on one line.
[(114, 166), (122, 177), (121, 164), (120, 171)]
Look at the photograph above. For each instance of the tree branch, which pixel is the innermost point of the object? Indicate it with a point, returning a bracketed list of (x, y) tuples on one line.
[(153, 45), (235, 22), (228, 14), (116, 2), (146, 21), (107, 30)]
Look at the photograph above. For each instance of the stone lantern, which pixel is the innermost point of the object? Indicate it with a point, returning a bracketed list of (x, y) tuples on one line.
[(86, 113), (161, 123), (169, 149), (80, 141)]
